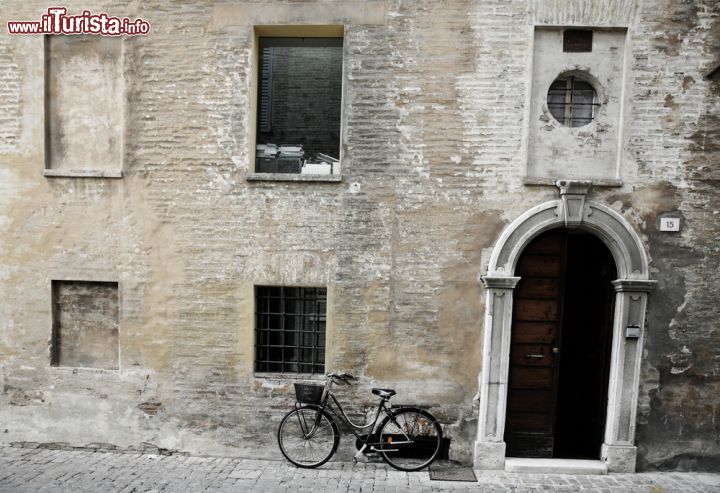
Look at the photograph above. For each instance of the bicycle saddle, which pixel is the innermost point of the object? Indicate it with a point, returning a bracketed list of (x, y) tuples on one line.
[(384, 393)]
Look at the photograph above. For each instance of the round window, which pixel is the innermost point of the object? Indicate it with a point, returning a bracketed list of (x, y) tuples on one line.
[(572, 101)]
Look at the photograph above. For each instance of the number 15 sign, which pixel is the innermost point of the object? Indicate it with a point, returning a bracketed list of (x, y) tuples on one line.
[(669, 224)]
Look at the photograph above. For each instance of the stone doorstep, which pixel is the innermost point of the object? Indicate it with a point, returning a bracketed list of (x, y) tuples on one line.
[(555, 466)]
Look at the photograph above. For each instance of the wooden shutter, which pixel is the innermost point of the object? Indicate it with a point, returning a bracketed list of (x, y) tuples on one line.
[(265, 102)]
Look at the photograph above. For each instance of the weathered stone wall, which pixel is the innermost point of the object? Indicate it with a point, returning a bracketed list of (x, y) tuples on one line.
[(434, 153), (677, 113)]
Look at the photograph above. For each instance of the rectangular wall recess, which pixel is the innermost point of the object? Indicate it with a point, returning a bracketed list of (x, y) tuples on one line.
[(84, 106), (85, 324)]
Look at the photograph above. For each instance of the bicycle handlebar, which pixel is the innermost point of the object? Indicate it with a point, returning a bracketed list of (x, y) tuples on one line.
[(341, 378)]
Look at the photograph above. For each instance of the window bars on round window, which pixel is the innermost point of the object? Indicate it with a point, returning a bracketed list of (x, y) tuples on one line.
[(572, 101)]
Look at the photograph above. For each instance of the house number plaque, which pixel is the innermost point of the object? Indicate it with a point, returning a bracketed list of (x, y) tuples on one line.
[(669, 224)]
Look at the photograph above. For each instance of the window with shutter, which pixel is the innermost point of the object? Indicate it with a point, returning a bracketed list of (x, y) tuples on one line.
[(299, 96), (266, 73)]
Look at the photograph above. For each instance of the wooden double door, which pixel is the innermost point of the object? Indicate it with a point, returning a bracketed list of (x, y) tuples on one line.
[(560, 350)]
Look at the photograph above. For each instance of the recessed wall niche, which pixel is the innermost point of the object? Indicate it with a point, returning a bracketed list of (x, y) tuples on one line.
[(84, 105), (575, 115), (85, 324)]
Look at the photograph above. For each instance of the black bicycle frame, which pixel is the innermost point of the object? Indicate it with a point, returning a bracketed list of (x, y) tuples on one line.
[(352, 426)]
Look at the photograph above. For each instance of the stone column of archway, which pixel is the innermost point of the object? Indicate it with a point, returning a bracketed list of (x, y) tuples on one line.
[(618, 449), (490, 447), (571, 210)]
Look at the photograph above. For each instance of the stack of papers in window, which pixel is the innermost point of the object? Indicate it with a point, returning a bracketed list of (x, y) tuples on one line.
[(292, 151), (288, 158), (321, 164), (266, 150)]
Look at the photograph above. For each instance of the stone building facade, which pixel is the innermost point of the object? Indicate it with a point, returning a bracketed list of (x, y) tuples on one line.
[(136, 234)]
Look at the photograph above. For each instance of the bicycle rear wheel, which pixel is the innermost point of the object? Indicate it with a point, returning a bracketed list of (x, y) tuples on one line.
[(308, 436), (410, 439)]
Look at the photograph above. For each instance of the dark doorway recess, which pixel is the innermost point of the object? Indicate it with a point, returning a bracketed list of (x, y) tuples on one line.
[(560, 350)]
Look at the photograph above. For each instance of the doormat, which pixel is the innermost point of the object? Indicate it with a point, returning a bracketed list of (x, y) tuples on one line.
[(452, 473)]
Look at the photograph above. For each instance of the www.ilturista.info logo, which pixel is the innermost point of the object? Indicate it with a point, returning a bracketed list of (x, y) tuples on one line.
[(57, 21)]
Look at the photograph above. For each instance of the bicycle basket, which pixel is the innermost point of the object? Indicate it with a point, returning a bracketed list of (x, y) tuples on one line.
[(309, 394)]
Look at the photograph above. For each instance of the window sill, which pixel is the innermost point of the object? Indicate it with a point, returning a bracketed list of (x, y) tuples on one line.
[(314, 377), (596, 182), (84, 369), (85, 173), (293, 177)]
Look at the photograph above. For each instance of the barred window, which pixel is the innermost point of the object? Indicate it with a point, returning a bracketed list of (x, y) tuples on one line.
[(290, 329), (572, 101)]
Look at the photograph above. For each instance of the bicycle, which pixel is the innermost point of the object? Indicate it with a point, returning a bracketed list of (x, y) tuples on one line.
[(408, 438)]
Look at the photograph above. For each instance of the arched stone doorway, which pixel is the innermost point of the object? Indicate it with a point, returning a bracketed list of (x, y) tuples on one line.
[(560, 347), (572, 210)]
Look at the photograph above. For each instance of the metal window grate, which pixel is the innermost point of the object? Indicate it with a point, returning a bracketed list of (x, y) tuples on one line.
[(290, 329), (572, 102)]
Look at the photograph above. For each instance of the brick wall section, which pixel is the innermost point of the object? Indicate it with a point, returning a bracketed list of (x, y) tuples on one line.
[(10, 97), (433, 163), (675, 141)]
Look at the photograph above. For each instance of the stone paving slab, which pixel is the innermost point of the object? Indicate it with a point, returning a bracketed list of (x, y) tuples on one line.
[(41, 470)]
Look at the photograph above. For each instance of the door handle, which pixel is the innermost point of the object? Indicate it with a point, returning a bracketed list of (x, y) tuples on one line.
[(556, 350), (538, 356)]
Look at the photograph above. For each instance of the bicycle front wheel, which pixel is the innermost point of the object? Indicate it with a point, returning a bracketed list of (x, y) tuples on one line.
[(410, 439), (308, 436)]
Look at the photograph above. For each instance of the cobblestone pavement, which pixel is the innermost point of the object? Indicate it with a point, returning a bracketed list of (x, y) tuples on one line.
[(31, 470)]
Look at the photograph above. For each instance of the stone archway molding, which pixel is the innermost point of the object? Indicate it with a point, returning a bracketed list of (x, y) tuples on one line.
[(570, 210)]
